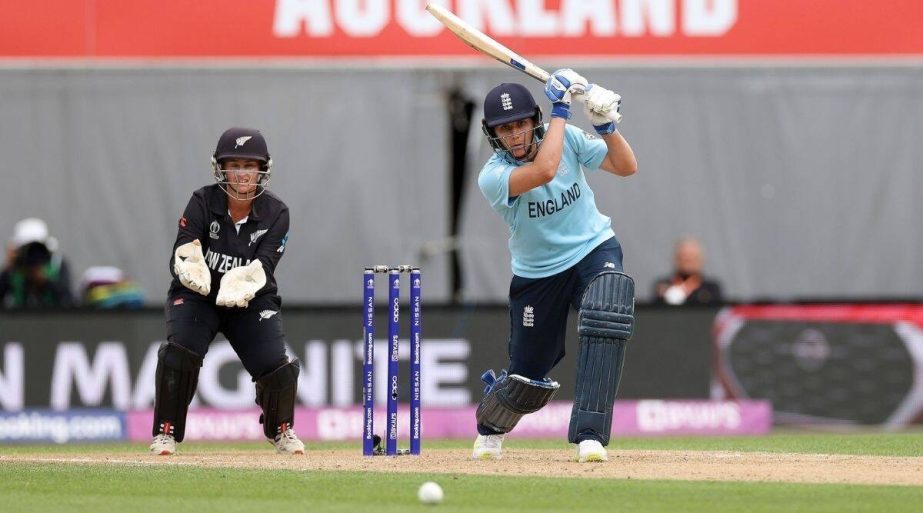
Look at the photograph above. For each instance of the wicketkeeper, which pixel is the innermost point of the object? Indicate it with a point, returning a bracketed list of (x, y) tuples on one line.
[(564, 253), (231, 237)]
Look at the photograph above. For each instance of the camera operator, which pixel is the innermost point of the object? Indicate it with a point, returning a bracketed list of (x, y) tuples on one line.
[(34, 274)]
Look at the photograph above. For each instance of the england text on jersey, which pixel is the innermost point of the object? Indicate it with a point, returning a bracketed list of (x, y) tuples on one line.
[(549, 207)]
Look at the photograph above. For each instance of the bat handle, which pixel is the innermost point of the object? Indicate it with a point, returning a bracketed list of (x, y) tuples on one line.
[(612, 115)]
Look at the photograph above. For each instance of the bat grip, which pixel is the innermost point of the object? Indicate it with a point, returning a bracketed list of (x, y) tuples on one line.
[(612, 115)]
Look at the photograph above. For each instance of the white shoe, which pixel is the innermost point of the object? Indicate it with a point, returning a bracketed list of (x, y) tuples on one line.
[(287, 442), (591, 450), (489, 447), (164, 445)]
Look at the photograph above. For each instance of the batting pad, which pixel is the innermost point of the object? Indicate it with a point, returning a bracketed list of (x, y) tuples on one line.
[(605, 324), (510, 397)]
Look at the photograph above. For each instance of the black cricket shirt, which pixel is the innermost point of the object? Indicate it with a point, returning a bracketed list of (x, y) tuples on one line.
[(262, 236)]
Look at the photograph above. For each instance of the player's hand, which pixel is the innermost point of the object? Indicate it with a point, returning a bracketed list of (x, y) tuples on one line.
[(599, 102), (189, 266), (240, 285), (560, 87)]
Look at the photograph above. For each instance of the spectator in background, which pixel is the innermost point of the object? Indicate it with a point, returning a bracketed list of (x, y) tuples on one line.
[(34, 274), (107, 287), (687, 285)]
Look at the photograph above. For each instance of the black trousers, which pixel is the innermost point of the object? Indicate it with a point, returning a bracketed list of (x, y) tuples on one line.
[(255, 332), (539, 308)]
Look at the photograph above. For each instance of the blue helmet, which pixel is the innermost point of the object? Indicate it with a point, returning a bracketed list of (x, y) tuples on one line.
[(507, 103)]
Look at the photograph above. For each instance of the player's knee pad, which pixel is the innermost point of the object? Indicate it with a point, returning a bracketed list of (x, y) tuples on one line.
[(276, 394), (176, 378), (608, 307), (605, 323), (510, 396)]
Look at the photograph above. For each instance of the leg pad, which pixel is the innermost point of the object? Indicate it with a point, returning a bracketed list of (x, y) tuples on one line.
[(605, 324), (509, 397), (276, 394), (175, 382)]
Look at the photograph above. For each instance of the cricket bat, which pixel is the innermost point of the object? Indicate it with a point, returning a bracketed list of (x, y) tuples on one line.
[(484, 44)]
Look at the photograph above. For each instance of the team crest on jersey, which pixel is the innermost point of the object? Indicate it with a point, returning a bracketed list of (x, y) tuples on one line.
[(255, 236), (242, 140), (213, 229), (528, 316), (266, 314), (588, 136)]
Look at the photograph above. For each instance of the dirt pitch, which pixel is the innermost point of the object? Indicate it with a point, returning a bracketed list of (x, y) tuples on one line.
[(622, 464)]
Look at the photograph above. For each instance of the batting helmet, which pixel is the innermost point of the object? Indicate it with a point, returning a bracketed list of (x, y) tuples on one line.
[(507, 103)]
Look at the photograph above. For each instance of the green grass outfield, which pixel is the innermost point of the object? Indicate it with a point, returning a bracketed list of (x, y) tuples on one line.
[(65, 487)]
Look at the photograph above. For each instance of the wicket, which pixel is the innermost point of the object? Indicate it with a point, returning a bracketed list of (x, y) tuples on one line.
[(368, 336)]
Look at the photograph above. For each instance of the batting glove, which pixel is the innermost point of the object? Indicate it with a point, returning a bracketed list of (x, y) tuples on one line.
[(240, 285), (560, 87), (599, 102), (189, 266)]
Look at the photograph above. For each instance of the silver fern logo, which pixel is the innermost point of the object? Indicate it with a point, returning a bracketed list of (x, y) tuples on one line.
[(266, 314), (255, 236), (242, 141)]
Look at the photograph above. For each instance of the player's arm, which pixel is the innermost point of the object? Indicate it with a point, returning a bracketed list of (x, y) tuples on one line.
[(559, 88), (191, 227), (620, 159), (188, 263), (271, 246)]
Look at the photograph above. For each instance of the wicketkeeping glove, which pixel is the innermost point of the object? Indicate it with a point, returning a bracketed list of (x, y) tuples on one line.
[(240, 284), (189, 266), (559, 88), (598, 102)]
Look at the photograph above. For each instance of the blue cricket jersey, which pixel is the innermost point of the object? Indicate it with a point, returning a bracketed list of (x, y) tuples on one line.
[(552, 227)]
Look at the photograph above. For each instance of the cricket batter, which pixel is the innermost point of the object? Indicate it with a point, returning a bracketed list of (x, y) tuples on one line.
[(231, 237), (564, 253)]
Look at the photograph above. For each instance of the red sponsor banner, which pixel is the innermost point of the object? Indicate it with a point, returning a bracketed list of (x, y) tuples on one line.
[(401, 28)]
